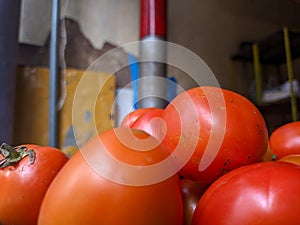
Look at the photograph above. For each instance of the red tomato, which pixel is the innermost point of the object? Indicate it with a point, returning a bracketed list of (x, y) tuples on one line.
[(285, 140), (266, 193), (294, 159), (113, 180), (268, 156), (130, 119), (191, 193), (150, 122), (211, 131), (24, 181)]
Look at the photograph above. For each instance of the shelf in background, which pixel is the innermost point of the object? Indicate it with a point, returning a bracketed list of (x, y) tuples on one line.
[(281, 47), (272, 51)]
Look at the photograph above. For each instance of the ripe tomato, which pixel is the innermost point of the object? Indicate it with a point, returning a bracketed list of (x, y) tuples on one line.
[(266, 193), (293, 158), (268, 156), (25, 175), (114, 179), (131, 118), (191, 193), (285, 140), (150, 122), (211, 131)]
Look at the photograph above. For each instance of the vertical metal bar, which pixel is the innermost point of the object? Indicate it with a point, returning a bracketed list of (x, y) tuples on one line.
[(9, 27), (53, 64), (153, 18), (257, 73), (290, 72), (152, 83)]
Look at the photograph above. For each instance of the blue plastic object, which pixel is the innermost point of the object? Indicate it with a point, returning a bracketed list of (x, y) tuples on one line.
[(134, 71)]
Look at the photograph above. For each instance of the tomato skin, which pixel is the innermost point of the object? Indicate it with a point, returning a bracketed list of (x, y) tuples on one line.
[(223, 117), (86, 197), (131, 118), (266, 193), (24, 185), (191, 193), (293, 158), (150, 122), (285, 140), (268, 156)]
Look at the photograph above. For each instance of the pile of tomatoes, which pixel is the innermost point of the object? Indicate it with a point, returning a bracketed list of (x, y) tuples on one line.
[(204, 159)]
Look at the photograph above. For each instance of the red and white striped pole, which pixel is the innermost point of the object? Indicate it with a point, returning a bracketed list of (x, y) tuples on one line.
[(152, 89)]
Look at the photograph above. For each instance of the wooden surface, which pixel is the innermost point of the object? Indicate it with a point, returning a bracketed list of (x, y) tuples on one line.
[(86, 107)]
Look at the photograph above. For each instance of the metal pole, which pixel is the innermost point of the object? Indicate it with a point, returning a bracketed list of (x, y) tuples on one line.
[(9, 28), (290, 73), (152, 83), (257, 73), (53, 64)]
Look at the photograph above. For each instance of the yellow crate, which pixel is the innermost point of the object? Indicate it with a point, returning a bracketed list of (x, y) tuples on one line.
[(32, 106)]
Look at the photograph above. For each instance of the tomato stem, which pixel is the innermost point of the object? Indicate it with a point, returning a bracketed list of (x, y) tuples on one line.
[(12, 155)]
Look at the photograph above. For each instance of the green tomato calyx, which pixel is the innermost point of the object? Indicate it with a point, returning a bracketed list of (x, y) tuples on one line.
[(12, 155)]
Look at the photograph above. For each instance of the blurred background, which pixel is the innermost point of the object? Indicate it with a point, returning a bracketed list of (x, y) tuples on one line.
[(222, 33)]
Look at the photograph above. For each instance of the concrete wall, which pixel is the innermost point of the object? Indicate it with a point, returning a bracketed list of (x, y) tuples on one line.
[(116, 21), (212, 29)]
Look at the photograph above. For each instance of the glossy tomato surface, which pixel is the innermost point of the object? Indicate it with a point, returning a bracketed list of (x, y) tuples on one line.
[(120, 187), (150, 122), (23, 185), (211, 131), (266, 193), (131, 118), (285, 140)]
